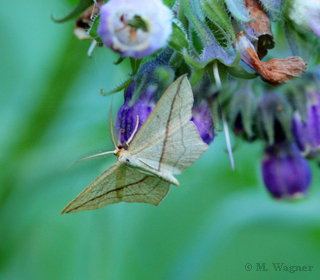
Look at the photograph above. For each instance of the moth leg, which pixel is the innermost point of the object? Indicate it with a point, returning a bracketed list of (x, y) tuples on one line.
[(95, 2)]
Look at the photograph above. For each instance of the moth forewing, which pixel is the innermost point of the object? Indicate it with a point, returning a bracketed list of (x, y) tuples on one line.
[(172, 111), (172, 142)]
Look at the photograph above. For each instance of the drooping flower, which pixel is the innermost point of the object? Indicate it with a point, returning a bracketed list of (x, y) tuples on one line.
[(135, 28), (132, 116), (285, 172), (307, 132), (151, 81), (201, 117), (274, 72), (259, 28)]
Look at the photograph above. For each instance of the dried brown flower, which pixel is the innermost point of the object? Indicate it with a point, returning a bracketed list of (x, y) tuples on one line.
[(260, 27), (274, 72)]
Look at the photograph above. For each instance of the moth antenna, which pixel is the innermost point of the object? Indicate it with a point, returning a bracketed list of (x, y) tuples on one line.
[(134, 132), (111, 125), (225, 124), (91, 48), (97, 155)]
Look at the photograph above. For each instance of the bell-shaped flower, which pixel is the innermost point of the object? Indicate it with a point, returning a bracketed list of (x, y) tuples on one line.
[(135, 28), (307, 132), (151, 81), (201, 117), (285, 172), (131, 117)]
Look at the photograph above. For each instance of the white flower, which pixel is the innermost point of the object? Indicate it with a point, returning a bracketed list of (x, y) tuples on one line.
[(135, 28)]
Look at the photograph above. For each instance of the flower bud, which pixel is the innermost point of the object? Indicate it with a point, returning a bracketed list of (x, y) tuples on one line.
[(128, 116), (201, 117), (307, 132), (285, 172), (135, 28)]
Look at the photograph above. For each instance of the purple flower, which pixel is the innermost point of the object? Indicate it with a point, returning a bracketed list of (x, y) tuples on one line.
[(307, 133), (128, 115), (286, 173), (201, 117), (135, 28)]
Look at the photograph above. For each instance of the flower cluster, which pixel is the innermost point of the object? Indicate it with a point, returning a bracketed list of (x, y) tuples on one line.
[(242, 73)]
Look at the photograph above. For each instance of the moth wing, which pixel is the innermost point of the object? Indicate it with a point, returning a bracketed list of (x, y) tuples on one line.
[(182, 148), (168, 141), (119, 183), (172, 110)]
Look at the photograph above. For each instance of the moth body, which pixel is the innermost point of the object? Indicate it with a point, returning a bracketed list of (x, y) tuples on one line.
[(124, 157)]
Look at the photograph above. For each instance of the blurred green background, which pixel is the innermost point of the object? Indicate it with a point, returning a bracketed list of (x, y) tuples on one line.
[(52, 114)]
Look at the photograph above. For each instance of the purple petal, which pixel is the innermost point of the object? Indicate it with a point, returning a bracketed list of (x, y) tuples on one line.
[(286, 173), (201, 117)]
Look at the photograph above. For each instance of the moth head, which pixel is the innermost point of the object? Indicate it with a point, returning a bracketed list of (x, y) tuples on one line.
[(125, 158)]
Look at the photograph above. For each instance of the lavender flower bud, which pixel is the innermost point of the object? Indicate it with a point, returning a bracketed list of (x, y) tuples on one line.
[(286, 173), (307, 133), (129, 115), (201, 117), (135, 28)]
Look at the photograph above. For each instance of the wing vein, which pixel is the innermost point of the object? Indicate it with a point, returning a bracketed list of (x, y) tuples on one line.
[(106, 193), (168, 124)]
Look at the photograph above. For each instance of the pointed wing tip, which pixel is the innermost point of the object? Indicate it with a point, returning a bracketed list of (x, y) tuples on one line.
[(64, 211), (67, 210)]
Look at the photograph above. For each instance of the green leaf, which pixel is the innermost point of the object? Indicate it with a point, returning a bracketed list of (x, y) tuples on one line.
[(197, 75), (135, 65), (274, 8), (202, 64), (120, 87), (178, 40), (169, 3), (238, 10), (81, 7), (93, 29), (217, 14), (120, 60), (239, 72)]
